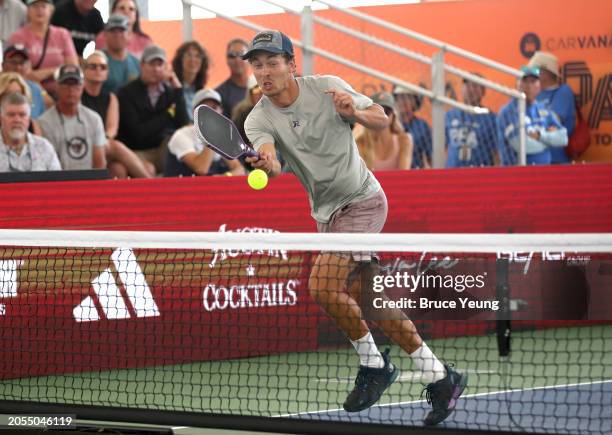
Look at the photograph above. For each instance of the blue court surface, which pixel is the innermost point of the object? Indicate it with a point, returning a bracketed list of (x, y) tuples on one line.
[(564, 409)]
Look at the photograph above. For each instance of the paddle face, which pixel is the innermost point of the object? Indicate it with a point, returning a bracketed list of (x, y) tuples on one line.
[(220, 134)]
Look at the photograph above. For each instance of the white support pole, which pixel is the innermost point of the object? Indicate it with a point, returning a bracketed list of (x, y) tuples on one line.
[(307, 29), (437, 109), (522, 157), (187, 26)]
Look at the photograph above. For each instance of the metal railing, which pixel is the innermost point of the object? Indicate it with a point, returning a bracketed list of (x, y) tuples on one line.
[(436, 62), (438, 67)]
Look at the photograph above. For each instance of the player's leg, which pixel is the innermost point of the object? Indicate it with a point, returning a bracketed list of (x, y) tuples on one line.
[(327, 286), (444, 384)]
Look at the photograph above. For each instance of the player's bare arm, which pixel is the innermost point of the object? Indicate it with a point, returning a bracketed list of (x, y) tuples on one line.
[(373, 117), (266, 161)]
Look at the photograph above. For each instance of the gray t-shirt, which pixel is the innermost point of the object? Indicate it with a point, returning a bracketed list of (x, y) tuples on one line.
[(317, 143), (37, 155), (74, 137)]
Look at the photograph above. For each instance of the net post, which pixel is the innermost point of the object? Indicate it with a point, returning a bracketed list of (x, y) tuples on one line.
[(503, 325)]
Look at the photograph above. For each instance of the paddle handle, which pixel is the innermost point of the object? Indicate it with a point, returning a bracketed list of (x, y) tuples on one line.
[(251, 153)]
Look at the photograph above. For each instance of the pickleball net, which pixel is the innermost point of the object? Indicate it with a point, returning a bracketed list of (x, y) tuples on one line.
[(221, 329)]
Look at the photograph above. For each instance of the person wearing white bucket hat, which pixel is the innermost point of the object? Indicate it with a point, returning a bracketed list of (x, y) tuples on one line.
[(556, 97), (188, 156)]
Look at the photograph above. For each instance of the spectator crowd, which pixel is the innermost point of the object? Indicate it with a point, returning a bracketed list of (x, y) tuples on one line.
[(128, 107)]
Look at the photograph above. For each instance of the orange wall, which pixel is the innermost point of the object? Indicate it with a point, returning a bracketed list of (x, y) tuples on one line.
[(574, 30)]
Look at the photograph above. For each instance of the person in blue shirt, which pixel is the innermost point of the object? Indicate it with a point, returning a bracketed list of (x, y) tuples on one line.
[(544, 131), (471, 139), (17, 60), (556, 97), (123, 67), (407, 104)]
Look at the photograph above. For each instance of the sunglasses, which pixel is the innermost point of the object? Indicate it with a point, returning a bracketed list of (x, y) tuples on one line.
[(99, 66), (235, 54), (388, 110)]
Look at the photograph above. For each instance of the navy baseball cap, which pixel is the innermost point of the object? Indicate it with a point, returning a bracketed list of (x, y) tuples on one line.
[(271, 41)]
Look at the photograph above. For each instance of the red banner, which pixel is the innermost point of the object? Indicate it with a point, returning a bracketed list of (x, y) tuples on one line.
[(77, 310)]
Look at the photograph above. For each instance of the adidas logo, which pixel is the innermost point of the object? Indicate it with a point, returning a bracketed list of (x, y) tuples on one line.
[(8, 281), (110, 298)]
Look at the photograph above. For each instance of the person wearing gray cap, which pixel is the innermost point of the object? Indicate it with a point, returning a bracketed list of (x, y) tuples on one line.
[(123, 67), (308, 119), (151, 108), (76, 132), (234, 88), (389, 148), (187, 155)]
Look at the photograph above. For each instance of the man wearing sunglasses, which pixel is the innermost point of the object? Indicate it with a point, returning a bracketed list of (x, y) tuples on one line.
[(234, 89), (76, 132)]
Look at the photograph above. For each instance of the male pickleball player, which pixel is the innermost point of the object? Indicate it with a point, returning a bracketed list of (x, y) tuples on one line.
[(308, 118)]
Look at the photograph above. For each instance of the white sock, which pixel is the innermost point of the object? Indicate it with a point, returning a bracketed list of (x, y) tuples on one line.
[(431, 368), (369, 355)]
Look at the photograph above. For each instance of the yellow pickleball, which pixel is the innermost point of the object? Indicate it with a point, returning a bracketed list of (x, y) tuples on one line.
[(258, 179)]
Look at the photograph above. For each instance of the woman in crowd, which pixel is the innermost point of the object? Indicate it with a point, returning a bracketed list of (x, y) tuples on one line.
[(11, 82), (122, 161), (190, 64), (387, 149), (138, 40), (48, 46)]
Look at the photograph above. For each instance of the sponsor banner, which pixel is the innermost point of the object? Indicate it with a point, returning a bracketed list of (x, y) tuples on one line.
[(78, 310), (83, 309)]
